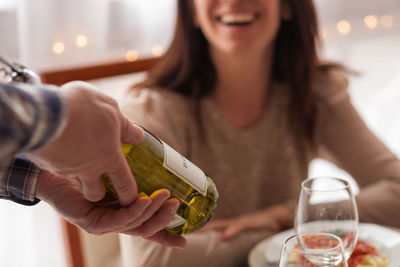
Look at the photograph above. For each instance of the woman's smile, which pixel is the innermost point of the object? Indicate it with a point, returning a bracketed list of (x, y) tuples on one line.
[(238, 19), (234, 26)]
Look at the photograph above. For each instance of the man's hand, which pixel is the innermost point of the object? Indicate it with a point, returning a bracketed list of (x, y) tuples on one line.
[(91, 144), (145, 217)]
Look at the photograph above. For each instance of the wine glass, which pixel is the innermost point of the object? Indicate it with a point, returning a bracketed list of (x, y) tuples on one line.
[(327, 204), (314, 249)]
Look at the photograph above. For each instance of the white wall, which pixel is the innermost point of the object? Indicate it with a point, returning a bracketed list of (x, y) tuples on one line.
[(112, 27), (375, 54)]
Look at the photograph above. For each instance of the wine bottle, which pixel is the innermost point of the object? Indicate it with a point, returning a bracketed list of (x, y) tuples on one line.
[(155, 165)]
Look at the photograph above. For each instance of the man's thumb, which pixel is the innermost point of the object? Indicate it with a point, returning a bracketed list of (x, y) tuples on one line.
[(130, 132)]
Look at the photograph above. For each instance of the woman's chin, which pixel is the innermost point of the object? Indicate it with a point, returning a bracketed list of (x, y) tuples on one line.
[(239, 49)]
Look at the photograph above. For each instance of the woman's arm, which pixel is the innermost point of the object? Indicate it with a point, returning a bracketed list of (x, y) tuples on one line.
[(343, 138)]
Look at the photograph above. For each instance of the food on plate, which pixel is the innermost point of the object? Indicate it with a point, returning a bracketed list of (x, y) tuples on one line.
[(364, 255)]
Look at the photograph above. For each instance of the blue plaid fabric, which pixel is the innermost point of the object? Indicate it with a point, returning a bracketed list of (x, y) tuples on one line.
[(18, 181), (30, 116)]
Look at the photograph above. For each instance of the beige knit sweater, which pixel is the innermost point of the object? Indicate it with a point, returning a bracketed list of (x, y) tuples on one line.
[(260, 165)]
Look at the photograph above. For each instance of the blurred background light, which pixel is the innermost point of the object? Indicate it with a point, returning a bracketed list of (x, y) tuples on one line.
[(371, 21), (157, 50), (323, 32), (81, 41), (131, 55), (343, 27), (386, 21), (58, 48)]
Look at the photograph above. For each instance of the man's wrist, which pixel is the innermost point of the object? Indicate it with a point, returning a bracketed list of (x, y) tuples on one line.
[(40, 189)]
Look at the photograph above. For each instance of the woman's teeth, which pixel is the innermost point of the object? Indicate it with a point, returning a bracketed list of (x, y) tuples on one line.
[(238, 19)]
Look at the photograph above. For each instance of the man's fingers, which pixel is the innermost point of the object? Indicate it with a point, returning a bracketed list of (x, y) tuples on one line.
[(130, 133), (159, 220), (123, 181), (92, 187), (117, 220), (146, 216), (158, 198), (120, 174)]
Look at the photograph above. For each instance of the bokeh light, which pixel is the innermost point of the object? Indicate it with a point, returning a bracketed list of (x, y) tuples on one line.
[(58, 48), (131, 55), (371, 21), (157, 50), (386, 21), (343, 27), (81, 41)]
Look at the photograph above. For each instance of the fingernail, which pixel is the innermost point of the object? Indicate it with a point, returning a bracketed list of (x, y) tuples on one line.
[(139, 133), (143, 195), (158, 192)]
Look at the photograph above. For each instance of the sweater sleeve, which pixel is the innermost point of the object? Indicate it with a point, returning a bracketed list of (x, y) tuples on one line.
[(343, 138), (380, 202)]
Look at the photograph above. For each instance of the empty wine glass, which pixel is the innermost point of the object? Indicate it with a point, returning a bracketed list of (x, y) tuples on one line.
[(310, 250), (327, 204)]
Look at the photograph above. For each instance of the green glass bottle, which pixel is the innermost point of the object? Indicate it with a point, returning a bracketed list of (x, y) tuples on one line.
[(155, 165)]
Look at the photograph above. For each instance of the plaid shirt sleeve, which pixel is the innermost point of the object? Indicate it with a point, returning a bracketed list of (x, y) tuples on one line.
[(18, 181), (30, 116)]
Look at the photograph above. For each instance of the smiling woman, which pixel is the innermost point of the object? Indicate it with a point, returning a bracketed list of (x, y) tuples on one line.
[(246, 77)]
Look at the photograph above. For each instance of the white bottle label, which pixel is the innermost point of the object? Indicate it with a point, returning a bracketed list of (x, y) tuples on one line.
[(184, 169), (176, 221)]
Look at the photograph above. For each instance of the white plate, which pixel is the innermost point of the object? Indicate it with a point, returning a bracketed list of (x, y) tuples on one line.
[(387, 241)]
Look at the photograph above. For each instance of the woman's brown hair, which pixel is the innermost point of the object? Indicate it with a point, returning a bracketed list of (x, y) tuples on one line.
[(187, 68)]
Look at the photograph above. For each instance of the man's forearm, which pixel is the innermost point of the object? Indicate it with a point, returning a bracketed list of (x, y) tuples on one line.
[(30, 116)]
